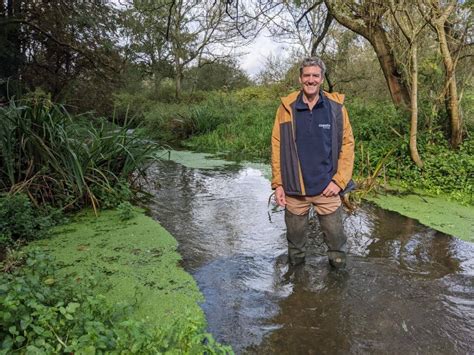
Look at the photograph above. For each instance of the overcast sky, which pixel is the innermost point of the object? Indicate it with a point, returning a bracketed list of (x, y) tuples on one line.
[(258, 51)]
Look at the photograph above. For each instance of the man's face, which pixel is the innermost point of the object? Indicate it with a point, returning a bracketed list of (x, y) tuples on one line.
[(311, 79)]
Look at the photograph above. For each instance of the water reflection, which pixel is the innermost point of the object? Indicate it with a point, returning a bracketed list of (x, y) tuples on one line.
[(407, 288)]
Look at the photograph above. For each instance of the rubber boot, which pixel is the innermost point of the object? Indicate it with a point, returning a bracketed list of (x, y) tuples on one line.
[(296, 228), (334, 237)]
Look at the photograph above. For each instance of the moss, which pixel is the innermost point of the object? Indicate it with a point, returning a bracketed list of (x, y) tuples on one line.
[(135, 261), (436, 212)]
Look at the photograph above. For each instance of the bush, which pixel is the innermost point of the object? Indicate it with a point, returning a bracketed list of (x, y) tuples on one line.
[(40, 312), (380, 129), (20, 221), (62, 161), (245, 136)]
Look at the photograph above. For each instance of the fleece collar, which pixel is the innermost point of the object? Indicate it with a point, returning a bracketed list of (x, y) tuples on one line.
[(291, 98)]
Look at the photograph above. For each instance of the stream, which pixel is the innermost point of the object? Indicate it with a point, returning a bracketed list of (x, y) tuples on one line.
[(407, 288)]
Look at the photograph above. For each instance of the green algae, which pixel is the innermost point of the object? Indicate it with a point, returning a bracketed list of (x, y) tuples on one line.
[(436, 212), (134, 262), (194, 160)]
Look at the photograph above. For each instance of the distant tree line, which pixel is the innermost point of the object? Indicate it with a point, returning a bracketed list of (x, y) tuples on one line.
[(80, 52)]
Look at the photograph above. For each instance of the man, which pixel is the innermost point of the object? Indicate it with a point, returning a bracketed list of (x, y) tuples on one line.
[(312, 162)]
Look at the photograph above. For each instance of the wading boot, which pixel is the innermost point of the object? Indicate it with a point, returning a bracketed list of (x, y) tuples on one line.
[(296, 227), (334, 237)]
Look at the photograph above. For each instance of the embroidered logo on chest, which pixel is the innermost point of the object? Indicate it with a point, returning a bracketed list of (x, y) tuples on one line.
[(324, 125)]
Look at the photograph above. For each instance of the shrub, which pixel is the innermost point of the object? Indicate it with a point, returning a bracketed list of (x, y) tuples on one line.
[(62, 161), (245, 136), (41, 312), (20, 221), (175, 122)]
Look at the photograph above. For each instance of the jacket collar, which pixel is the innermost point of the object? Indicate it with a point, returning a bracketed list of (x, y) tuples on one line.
[(301, 105), (289, 100)]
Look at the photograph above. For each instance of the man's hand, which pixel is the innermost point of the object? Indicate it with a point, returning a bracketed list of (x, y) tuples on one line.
[(280, 196), (331, 190)]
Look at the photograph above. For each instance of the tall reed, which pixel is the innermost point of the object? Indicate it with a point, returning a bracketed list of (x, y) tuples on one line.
[(63, 161)]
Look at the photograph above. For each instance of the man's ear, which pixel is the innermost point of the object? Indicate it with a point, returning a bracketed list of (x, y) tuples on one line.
[(299, 79)]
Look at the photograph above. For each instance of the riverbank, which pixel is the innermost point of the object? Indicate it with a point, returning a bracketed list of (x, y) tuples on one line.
[(134, 261)]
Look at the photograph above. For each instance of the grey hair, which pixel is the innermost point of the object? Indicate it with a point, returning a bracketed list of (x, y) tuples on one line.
[(313, 62)]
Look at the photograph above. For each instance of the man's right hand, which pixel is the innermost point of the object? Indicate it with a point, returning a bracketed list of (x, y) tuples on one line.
[(280, 196)]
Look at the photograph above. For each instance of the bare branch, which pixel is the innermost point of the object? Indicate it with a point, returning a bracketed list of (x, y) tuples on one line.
[(311, 8), (327, 24)]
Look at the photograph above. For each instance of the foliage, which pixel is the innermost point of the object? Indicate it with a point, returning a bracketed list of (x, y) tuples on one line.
[(66, 162), (380, 129), (70, 50), (174, 122), (246, 136), (41, 312), (219, 75), (125, 211), (19, 220)]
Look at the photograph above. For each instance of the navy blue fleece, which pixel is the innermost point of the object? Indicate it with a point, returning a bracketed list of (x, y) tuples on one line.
[(313, 142)]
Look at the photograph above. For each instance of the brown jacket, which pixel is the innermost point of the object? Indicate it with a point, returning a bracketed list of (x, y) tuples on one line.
[(286, 168)]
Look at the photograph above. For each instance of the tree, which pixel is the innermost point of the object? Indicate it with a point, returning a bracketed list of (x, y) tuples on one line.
[(403, 14), (442, 18), (303, 23), (217, 75), (199, 31), (368, 19), (62, 44), (145, 26)]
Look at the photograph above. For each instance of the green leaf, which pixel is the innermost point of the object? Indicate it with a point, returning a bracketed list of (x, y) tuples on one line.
[(72, 307), (49, 281), (13, 330)]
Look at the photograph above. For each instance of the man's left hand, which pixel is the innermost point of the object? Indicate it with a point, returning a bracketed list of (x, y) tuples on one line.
[(331, 190)]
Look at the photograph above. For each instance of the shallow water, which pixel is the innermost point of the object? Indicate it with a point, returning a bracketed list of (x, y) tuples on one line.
[(407, 288)]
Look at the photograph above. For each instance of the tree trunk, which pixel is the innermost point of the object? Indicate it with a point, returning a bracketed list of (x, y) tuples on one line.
[(179, 76), (329, 82), (452, 104), (377, 37), (398, 89), (414, 107)]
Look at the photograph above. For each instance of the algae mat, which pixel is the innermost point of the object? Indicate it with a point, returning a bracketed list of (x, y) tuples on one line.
[(135, 262), (449, 217)]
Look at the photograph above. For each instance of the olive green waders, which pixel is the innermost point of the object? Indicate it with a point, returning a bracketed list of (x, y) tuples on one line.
[(296, 229), (333, 234)]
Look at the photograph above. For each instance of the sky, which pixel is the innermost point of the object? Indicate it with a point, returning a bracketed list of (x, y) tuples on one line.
[(253, 62)]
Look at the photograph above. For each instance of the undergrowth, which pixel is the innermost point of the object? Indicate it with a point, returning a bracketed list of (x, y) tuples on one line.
[(40, 312)]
